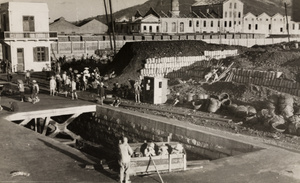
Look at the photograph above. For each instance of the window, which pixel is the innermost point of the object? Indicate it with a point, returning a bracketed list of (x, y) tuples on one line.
[(249, 26), (234, 23), (230, 5), (267, 19), (293, 26), (150, 28), (181, 27), (190, 23), (173, 27), (245, 19), (145, 28), (212, 23), (40, 54), (157, 28), (270, 26), (28, 23), (239, 15), (225, 14), (219, 23), (230, 14), (230, 24), (281, 29), (160, 84), (225, 24), (166, 27), (234, 5), (204, 23), (256, 26), (234, 14), (197, 23)]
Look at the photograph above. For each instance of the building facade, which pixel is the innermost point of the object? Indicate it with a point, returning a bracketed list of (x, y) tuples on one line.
[(25, 37), (208, 16)]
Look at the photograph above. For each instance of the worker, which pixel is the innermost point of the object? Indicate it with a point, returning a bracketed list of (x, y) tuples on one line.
[(124, 159), (178, 149), (34, 92), (150, 151), (137, 90), (163, 150), (176, 100)]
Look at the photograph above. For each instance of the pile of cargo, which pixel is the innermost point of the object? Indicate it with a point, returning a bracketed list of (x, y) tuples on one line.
[(160, 67)]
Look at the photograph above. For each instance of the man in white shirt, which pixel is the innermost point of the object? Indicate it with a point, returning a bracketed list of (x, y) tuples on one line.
[(124, 159)]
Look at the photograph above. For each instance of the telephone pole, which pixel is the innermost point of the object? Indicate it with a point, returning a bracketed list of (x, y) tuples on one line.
[(107, 21), (287, 23), (112, 26)]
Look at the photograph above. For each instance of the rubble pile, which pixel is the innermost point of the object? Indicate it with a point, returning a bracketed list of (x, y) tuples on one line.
[(249, 104)]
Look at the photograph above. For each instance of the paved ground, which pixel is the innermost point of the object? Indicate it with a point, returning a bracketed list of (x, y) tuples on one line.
[(50, 161)]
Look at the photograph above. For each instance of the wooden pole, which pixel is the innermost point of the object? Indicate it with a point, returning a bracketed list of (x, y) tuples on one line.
[(162, 181), (107, 21), (287, 23), (112, 26)]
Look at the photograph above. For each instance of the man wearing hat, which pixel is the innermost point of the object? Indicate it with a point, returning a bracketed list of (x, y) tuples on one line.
[(34, 91)]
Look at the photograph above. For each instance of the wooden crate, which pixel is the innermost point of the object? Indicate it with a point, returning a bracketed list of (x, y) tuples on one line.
[(166, 163)]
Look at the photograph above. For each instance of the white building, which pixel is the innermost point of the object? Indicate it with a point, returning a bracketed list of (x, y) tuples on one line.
[(25, 37), (208, 16)]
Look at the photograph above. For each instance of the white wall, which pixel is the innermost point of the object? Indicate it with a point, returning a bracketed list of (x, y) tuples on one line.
[(28, 55), (39, 10)]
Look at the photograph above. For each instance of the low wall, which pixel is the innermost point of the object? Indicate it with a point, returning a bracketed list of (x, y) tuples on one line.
[(108, 124)]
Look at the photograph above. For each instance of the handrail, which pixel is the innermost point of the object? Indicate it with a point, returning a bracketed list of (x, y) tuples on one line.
[(27, 35)]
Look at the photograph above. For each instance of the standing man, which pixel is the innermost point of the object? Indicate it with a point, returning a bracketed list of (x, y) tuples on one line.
[(137, 90), (52, 86), (124, 160), (34, 91)]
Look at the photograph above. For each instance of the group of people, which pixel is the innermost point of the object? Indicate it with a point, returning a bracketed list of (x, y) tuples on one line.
[(34, 90), (69, 82), (124, 90), (147, 149)]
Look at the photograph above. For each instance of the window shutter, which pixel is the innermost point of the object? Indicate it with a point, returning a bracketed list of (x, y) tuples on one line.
[(35, 54), (46, 54)]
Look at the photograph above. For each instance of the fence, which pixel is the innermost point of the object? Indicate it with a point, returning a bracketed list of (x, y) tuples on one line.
[(266, 78), (71, 48)]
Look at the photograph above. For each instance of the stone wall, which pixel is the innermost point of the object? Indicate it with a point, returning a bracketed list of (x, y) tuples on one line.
[(108, 124)]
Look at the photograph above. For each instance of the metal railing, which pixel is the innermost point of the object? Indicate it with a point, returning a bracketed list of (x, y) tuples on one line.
[(28, 35)]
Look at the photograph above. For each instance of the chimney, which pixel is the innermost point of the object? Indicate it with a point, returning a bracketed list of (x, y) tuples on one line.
[(175, 8)]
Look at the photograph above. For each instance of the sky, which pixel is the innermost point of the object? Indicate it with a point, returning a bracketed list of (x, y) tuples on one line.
[(73, 10)]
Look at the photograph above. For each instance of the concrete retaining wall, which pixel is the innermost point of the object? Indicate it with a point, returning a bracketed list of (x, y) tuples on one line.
[(107, 125)]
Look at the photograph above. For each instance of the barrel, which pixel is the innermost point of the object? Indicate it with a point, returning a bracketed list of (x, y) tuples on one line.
[(223, 96), (203, 96), (214, 105), (241, 111), (190, 97)]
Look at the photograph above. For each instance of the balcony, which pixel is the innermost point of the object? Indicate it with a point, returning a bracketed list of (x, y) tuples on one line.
[(28, 36)]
